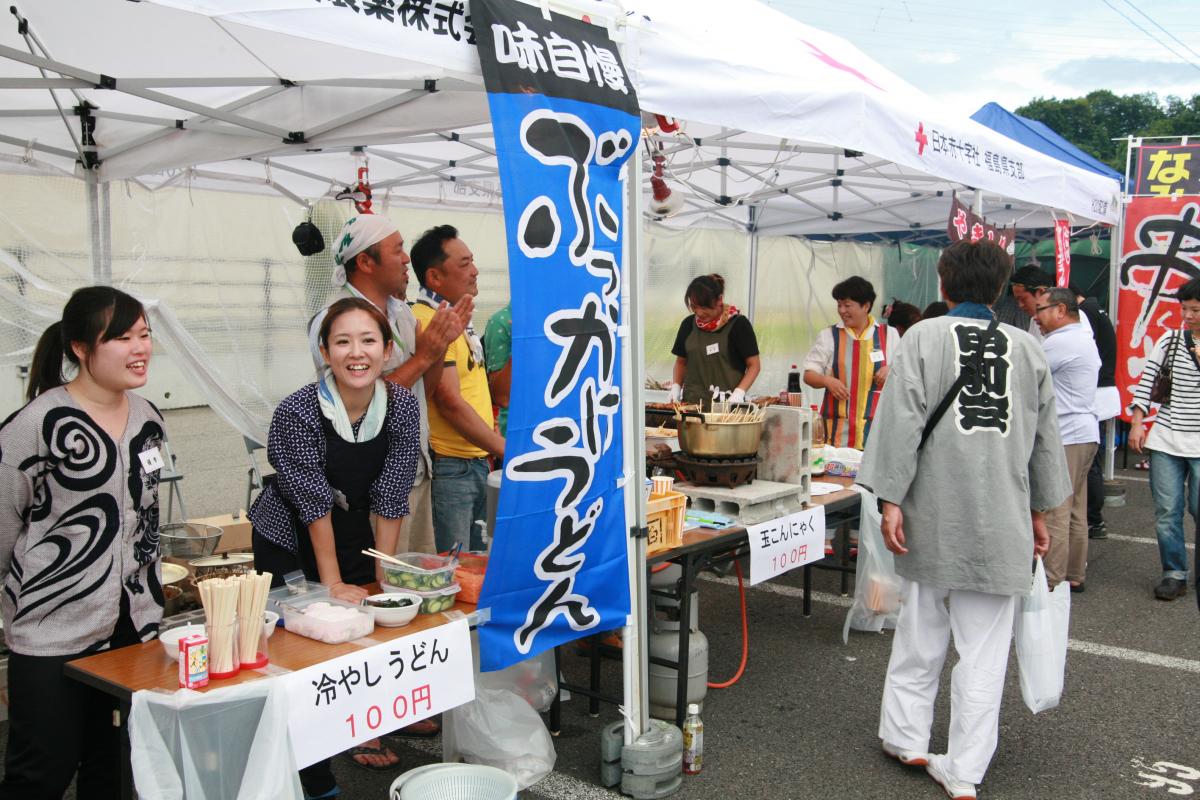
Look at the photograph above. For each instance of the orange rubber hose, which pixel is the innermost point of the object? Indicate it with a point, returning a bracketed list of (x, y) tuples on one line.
[(745, 637)]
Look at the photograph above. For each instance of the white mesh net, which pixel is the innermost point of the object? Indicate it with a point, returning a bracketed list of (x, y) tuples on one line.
[(234, 296)]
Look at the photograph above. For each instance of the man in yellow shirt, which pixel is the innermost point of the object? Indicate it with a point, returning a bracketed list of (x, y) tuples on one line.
[(462, 430)]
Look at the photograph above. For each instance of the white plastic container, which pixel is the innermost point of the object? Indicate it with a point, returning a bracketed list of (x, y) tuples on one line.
[(327, 619)]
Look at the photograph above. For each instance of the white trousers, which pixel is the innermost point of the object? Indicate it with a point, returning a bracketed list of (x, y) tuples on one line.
[(982, 626)]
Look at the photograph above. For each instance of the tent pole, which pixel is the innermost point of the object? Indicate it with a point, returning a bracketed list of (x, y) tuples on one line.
[(635, 672), (1114, 291), (105, 217), (101, 271), (753, 229), (977, 203)]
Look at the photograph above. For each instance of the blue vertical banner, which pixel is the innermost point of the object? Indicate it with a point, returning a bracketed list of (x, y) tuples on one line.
[(565, 119)]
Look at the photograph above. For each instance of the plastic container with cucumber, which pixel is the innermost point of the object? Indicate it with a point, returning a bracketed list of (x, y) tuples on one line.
[(432, 601), (423, 572)]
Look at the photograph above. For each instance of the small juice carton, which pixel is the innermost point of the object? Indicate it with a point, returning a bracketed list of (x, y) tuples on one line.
[(193, 661)]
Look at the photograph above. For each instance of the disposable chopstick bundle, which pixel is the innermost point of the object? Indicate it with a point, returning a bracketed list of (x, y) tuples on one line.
[(219, 597), (251, 603)]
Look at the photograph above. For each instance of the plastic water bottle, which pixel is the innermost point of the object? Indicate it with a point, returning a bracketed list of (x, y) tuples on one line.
[(693, 741), (818, 427)]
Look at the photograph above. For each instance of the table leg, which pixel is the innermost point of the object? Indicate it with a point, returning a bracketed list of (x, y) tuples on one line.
[(808, 590), (127, 792), (594, 678), (844, 555), (556, 703), (687, 584)]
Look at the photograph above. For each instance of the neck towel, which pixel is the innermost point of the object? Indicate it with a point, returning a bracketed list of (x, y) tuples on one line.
[(435, 300), (360, 232), (971, 311), (727, 313), (334, 410)]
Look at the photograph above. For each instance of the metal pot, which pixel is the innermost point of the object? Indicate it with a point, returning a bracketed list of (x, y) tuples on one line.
[(222, 565), (718, 439)]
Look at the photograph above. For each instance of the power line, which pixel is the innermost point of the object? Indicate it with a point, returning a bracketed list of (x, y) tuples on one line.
[(1167, 47), (1161, 28)]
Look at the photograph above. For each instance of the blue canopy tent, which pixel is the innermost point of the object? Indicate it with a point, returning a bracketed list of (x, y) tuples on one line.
[(1038, 136)]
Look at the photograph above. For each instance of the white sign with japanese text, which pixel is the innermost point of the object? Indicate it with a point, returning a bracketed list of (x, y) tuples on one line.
[(354, 698), (785, 543)]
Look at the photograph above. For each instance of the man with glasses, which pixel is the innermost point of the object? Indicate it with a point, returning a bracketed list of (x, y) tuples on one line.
[(1074, 368)]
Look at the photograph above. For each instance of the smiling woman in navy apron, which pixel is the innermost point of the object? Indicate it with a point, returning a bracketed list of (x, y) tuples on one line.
[(343, 448), (714, 348)]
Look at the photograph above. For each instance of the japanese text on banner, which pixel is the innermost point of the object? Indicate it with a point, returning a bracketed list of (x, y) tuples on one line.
[(339, 703), (786, 543), (565, 120), (1158, 255)]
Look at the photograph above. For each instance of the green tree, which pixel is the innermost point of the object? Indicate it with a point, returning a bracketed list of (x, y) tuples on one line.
[(1094, 121)]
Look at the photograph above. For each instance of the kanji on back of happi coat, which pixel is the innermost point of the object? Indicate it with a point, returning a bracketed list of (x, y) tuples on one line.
[(565, 119)]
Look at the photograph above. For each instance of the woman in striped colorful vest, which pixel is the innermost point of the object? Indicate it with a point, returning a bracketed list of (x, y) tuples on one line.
[(849, 361)]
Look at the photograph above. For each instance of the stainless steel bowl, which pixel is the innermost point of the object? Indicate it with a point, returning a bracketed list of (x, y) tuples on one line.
[(189, 539)]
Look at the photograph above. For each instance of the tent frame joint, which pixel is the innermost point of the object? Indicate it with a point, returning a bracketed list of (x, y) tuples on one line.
[(639, 532)]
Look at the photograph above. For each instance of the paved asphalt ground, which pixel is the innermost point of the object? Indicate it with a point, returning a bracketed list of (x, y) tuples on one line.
[(802, 721)]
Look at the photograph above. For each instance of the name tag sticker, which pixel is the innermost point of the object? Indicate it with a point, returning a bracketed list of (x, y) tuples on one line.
[(712, 349), (151, 459), (876, 356)]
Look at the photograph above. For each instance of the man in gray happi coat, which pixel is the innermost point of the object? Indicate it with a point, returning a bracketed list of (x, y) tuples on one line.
[(963, 513)]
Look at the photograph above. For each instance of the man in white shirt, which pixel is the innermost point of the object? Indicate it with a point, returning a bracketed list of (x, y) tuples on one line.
[(1074, 367)]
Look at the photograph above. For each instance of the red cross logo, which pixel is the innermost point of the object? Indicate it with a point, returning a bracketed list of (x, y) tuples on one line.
[(921, 139)]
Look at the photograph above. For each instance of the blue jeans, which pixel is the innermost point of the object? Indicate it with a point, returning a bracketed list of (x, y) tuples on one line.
[(1174, 481), (459, 495)]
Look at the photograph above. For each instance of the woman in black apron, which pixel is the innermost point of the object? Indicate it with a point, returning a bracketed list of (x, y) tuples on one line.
[(343, 448), (715, 347)]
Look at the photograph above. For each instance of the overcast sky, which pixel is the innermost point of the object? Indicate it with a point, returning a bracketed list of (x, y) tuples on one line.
[(968, 53)]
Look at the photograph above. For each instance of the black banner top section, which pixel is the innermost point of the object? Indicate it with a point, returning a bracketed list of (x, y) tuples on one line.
[(1166, 170), (521, 52)]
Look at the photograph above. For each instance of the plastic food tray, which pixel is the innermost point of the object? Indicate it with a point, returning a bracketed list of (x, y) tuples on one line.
[(432, 601), (300, 616), (292, 592), (428, 572)]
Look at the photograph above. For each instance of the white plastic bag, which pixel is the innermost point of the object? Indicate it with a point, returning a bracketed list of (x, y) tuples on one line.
[(876, 585), (230, 742), (1040, 630), (500, 729)]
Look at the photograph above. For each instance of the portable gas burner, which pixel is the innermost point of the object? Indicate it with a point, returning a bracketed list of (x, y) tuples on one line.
[(728, 472)]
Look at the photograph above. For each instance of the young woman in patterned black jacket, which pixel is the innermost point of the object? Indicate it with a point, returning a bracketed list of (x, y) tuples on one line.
[(344, 448), (79, 562)]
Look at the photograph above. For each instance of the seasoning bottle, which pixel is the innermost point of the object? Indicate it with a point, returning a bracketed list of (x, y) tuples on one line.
[(693, 741), (793, 383)]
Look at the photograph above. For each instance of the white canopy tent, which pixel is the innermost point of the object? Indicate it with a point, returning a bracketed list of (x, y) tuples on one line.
[(780, 116), (787, 130)]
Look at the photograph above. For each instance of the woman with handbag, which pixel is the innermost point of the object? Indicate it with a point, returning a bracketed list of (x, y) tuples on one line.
[(1172, 377)]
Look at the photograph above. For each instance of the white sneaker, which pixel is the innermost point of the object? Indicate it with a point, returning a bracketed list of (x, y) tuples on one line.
[(954, 788), (909, 758)]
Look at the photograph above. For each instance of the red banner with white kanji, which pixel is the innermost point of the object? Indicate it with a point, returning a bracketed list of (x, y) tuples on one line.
[(1062, 252), (966, 224), (1160, 251)]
